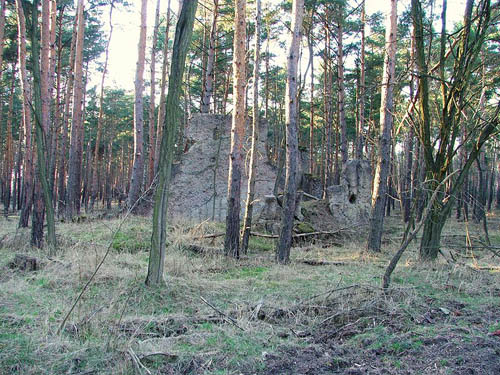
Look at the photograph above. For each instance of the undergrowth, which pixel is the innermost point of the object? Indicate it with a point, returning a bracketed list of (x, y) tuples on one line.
[(216, 315)]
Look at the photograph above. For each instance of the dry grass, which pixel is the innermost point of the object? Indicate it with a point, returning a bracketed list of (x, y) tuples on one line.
[(121, 325)]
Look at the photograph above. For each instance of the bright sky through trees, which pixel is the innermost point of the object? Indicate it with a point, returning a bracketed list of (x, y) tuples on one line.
[(123, 48)]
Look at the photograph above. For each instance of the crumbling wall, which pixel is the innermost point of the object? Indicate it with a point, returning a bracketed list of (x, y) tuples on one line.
[(350, 201), (199, 185)]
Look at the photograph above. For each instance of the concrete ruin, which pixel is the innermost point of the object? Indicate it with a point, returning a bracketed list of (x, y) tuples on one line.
[(199, 184), (350, 201)]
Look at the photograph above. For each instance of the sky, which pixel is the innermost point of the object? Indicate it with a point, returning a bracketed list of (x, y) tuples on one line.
[(123, 47)]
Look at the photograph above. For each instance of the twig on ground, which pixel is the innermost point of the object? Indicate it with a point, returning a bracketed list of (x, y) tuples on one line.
[(225, 316), (310, 196), (265, 235), (213, 235), (329, 292), (166, 355), (137, 362), (312, 262)]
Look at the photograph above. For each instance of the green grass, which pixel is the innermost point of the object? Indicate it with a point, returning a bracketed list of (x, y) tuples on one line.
[(119, 313)]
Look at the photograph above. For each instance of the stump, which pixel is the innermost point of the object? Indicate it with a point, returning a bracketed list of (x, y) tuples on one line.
[(24, 263)]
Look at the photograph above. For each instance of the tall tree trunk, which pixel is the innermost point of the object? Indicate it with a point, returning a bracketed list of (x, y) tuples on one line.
[(41, 147), (9, 147), (2, 32), (152, 143), (54, 105), (232, 239), (247, 221), (362, 90), (27, 189), (438, 158), (384, 144), (76, 147), (311, 100), (341, 87), (208, 89), (44, 69), (138, 168), (94, 184), (61, 190), (163, 85), (292, 124), (182, 40)]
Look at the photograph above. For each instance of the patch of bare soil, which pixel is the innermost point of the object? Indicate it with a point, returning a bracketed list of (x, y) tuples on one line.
[(446, 348)]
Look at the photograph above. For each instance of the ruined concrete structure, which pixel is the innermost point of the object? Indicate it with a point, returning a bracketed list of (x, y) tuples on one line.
[(199, 184), (350, 201)]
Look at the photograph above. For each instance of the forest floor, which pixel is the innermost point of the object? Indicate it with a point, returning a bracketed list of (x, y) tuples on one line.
[(324, 313)]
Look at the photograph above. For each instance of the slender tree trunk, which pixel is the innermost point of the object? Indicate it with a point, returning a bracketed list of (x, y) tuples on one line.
[(182, 40), (208, 89), (8, 166), (163, 85), (41, 147), (138, 168), (76, 147), (94, 181), (362, 89), (44, 69), (2, 32), (292, 123), (383, 158), (247, 221), (152, 143), (232, 239), (108, 194), (341, 88), (62, 191), (311, 100), (54, 105), (27, 198)]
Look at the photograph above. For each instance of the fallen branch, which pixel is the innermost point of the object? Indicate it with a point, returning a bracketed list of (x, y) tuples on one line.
[(265, 235), (213, 235), (226, 317), (312, 262), (168, 356), (137, 362), (310, 196)]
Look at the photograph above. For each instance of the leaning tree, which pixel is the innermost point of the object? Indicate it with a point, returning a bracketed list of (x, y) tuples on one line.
[(442, 136)]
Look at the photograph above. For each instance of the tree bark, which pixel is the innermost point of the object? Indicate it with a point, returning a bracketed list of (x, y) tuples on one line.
[(341, 87), (94, 181), (247, 221), (27, 195), (360, 140), (163, 85), (138, 168), (311, 100), (152, 142), (232, 239), (182, 40), (207, 94), (8, 164), (292, 123), (41, 147), (76, 144), (2, 32), (384, 143)]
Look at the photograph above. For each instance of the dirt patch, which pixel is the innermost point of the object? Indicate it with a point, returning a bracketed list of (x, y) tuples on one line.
[(444, 355), (347, 345)]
